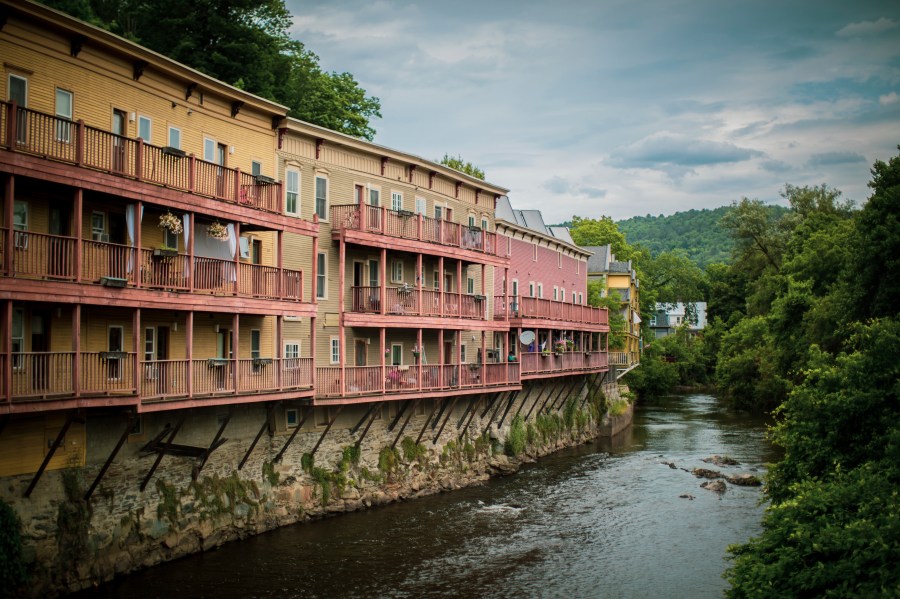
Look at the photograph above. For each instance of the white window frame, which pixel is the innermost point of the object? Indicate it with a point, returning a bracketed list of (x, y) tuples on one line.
[(540, 291), (149, 344), (374, 192), (122, 337), (324, 214), (98, 233), (531, 289), (470, 285), (64, 129), (577, 267), (291, 350), (471, 220), (556, 293), (334, 350), (20, 237), (18, 341), (421, 206), (436, 281), (396, 349), (256, 168), (485, 223), (292, 194), (396, 201), (149, 126), (170, 239), (581, 298), (322, 276), (396, 271), (462, 353), (439, 211), (177, 132), (9, 86), (515, 288), (258, 350), (210, 146)]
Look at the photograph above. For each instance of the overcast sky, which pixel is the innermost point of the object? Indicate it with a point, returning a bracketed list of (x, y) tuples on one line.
[(627, 108)]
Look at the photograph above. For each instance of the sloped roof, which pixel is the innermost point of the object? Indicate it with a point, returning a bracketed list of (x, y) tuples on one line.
[(620, 267), (562, 233), (597, 262)]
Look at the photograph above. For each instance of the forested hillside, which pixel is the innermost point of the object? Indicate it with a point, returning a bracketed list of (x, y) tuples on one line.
[(695, 232)]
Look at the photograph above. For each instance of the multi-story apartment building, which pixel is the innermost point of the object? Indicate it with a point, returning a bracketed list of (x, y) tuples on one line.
[(619, 280), (543, 295)]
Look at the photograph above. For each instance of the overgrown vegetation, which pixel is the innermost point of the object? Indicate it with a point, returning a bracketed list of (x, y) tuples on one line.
[(72, 521), (515, 438), (13, 574)]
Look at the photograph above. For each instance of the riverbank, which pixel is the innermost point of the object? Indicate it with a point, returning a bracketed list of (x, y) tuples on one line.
[(72, 544)]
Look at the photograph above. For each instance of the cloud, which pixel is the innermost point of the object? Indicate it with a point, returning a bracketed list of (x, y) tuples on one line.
[(867, 28), (775, 166), (561, 186), (665, 150), (890, 98), (832, 158)]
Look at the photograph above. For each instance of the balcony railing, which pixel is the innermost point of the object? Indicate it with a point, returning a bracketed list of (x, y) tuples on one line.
[(405, 301), (409, 225), (43, 256), (544, 309), (549, 363), (377, 380), (623, 358), (42, 375), (55, 138)]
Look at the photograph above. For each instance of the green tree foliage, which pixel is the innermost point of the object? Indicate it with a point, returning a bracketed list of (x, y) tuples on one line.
[(457, 163), (614, 307), (601, 231), (678, 359), (831, 338), (245, 43)]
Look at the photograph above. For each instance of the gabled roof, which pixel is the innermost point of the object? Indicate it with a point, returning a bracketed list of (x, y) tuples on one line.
[(533, 221), (599, 262), (561, 233), (620, 267)]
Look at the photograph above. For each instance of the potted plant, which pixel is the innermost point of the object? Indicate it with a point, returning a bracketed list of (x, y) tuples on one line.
[(218, 231), (570, 345), (545, 352), (165, 251), (559, 347), (171, 223)]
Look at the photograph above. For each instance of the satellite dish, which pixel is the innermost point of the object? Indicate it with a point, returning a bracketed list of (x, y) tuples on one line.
[(527, 337)]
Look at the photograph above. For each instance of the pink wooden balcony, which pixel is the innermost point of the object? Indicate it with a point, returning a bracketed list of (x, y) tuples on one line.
[(565, 362), (55, 138), (376, 380), (43, 256), (52, 375), (409, 225), (405, 301), (544, 309)]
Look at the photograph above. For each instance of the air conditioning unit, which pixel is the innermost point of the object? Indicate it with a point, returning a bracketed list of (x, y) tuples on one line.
[(21, 240), (151, 372), (101, 237)]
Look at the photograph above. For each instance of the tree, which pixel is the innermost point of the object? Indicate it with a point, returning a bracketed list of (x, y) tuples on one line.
[(457, 163), (245, 43), (758, 240), (601, 231)]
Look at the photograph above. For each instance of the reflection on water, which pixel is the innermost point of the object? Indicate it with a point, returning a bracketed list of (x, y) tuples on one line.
[(602, 520)]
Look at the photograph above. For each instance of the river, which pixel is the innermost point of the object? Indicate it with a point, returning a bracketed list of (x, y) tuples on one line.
[(601, 520)]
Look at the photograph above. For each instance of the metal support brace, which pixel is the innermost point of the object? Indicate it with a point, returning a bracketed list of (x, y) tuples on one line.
[(212, 447), (440, 414), (405, 422), (300, 424), (128, 426), (449, 414), (558, 387), (492, 402), (466, 427), (427, 420), (56, 443), (588, 394), (161, 454), (565, 396), (365, 417), (366, 431), (548, 387), (499, 406), (509, 405), (467, 410), (264, 426), (327, 428), (400, 413), (563, 386)]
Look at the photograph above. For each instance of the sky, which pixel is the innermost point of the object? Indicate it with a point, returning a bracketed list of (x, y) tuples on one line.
[(624, 109)]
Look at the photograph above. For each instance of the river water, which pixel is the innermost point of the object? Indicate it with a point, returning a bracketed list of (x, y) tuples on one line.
[(601, 520)]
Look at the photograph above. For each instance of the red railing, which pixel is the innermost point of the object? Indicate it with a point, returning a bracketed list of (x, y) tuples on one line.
[(42, 374), (544, 363), (372, 380), (405, 301), (257, 280), (40, 255), (163, 379), (105, 373), (532, 307), (410, 225), (99, 260), (57, 138)]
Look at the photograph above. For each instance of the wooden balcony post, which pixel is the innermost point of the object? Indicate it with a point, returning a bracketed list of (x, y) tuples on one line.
[(459, 351), (484, 362), (441, 358), (76, 347), (382, 293), (488, 298), (459, 294), (419, 218), (383, 219), (237, 257), (189, 351), (361, 206), (139, 160), (135, 348), (421, 351), (237, 186), (279, 262), (315, 269), (192, 233), (77, 226), (7, 349), (441, 289), (235, 349), (312, 349), (8, 220), (279, 352), (342, 279), (12, 123), (192, 172), (508, 309), (420, 279), (79, 142), (383, 344)]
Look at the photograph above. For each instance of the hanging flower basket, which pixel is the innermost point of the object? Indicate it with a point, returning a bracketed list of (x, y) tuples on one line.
[(218, 231), (171, 223), (559, 347)]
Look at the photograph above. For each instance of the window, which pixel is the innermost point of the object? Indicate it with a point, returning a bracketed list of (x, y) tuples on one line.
[(397, 271), (471, 221), (98, 226), (292, 191), (145, 128), (255, 168), (149, 344), (484, 223), (209, 149), (18, 93), (374, 272), (556, 293), (322, 197), (170, 239), (470, 285), (18, 338), (254, 344), (531, 289), (321, 276), (175, 137), (290, 418), (436, 281), (291, 350), (335, 350), (20, 223), (63, 111), (374, 197), (396, 201), (420, 206), (115, 340), (438, 212), (515, 288), (396, 354), (462, 353), (581, 299), (540, 291)]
